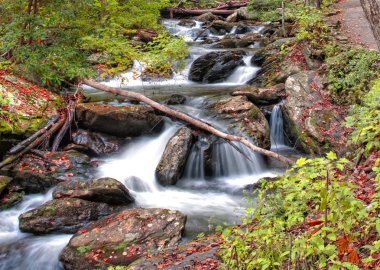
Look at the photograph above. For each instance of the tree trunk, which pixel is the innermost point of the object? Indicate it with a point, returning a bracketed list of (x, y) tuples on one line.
[(184, 117), (372, 10)]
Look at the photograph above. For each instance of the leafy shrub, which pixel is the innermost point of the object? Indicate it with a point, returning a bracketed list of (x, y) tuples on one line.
[(350, 74), (308, 219), (265, 10), (365, 119)]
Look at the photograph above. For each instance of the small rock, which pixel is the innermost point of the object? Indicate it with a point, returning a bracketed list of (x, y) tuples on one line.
[(176, 99)]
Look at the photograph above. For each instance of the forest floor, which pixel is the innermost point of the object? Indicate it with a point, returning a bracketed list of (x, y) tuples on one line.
[(354, 24)]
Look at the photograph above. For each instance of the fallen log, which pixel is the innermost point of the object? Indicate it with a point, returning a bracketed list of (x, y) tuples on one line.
[(70, 111), (184, 117), (55, 127), (20, 146)]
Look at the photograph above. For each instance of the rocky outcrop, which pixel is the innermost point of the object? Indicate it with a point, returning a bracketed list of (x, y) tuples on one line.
[(215, 66), (63, 215), (237, 42), (173, 160), (246, 118), (187, 23), (261, 96), (97, 143), (106, 190), (306, 120), (201, 253), (122, 238), (123, 121), (37, 173)]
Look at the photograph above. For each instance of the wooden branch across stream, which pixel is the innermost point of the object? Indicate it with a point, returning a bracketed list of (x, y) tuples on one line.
[(184, 117)]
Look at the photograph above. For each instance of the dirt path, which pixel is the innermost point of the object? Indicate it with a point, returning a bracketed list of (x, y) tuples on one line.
[(354, 24)]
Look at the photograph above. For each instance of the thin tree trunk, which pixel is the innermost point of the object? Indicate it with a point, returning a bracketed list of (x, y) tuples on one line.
[(184, 117), (372, 10), (70, 111)]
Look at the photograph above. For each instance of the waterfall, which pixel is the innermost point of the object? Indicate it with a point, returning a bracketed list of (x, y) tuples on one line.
[(277, 128)]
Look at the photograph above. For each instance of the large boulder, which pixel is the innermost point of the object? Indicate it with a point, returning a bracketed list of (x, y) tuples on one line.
[(106, 190), (122, 238), (215, 66), (246, 118), (122, 121), (37, 173), (306, 118), (63, 215), (173, 160), (97, 143), (201, 253), (261, 96)]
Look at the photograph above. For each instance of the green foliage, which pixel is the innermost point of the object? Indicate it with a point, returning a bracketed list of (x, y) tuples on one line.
[(301, 220), (53, 43), (365, 119), (84, 249), (265, 10), (350, 74), (118, 267)]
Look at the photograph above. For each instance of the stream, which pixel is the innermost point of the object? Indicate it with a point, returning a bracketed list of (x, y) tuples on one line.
[(207, 200)]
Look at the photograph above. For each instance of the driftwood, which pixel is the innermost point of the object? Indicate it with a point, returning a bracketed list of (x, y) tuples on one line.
[(45, 135), (184, 117), (20, 146), (70, 111)]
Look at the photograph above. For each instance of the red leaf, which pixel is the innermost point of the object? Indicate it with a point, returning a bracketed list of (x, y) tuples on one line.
[(314, 222)]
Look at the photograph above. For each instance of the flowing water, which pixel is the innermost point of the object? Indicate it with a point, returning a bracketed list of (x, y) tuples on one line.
[(276, 123), (206, 197)]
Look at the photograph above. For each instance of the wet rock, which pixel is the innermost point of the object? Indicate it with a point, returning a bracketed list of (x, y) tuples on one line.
[(197, 253), (173, 160), (122, 238), (305, 120), (207, 17), (187, 23), (226, 43), (215, 66), (123, 121), (64, 215), (10, 194), (242, 29), (106, 190), (232, 18), (233, 105), (246, 118), (222, 25), (176, 99), (244, 14), (261, 96), (97, 143), (37, 173)]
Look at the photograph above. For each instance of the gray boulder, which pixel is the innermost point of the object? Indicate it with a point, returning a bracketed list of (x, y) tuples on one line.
[(106, 190), (215, 66), (173, 160), (63, 215), (123, 121)]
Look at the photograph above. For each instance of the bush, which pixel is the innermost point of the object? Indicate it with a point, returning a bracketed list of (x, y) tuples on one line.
[(350, 74)]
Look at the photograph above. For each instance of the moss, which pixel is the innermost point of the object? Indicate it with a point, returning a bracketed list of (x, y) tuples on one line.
[(254, 113)]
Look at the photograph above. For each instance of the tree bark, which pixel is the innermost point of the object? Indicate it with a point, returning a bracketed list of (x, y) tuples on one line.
[(184, 117), (372, 11), (183, 11), (70, 111)]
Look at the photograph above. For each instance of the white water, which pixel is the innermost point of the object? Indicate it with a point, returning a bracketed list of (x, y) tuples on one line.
[(132, 78), (276, 123), (22, 250)]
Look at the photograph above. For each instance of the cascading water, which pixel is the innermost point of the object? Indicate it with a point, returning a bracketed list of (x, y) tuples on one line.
[(276, 124), (205, 199)]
